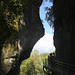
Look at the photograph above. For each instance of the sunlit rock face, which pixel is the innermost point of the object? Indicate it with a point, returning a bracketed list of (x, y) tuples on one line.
[(30, 31)]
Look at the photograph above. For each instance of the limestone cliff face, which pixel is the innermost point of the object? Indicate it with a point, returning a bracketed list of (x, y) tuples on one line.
[(64, 34), (30, 31), (64, 37)]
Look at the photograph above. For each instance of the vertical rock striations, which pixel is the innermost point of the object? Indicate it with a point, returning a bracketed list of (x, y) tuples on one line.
[(64, 33), (64, 36)]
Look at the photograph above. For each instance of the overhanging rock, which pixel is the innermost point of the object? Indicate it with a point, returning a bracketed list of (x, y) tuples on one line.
[(30, 29)]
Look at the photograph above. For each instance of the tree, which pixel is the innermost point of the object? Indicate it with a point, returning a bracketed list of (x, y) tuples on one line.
[(34, 64), (50, 15)]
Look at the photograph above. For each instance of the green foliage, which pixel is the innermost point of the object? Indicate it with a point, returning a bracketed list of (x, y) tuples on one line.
[(50, 15), (34, 64), (9, 12), (44, 56)]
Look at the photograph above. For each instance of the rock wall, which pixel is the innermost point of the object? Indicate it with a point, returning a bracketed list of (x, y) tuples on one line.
[(64, 33), (30, 31)]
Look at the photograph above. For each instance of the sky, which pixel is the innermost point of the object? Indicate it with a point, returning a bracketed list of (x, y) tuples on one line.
[(45, 44)]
